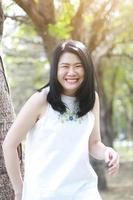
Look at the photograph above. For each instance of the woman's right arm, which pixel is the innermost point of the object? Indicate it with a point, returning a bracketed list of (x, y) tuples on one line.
[(25, 120)]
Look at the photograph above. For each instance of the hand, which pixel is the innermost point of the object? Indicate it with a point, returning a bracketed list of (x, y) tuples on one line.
[(112, 160), (18, 196)]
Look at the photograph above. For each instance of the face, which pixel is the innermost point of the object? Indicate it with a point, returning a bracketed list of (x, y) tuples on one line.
[(70, 73)]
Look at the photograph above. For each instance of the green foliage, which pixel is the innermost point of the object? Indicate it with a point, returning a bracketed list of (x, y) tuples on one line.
[(23, 28), (117, 76), (62, 28), (41, 78)]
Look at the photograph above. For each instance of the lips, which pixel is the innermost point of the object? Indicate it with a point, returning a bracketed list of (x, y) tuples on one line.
[(71, 80)]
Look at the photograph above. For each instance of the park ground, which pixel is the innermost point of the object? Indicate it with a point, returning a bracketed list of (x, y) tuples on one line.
[(120, 187)]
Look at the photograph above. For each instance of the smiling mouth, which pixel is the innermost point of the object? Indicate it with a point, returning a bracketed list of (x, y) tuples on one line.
[(71, 80)]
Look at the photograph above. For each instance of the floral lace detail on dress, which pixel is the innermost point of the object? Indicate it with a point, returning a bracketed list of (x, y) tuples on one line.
[(69, 116)]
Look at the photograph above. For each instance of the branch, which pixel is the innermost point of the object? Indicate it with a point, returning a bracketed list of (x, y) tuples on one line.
[(30, 8), (38, 12), (104, 48), (100, 25), (107, 45), (2, 70), (119, 55), (77, 20), (19, 18), (46, 9), (113, 85)]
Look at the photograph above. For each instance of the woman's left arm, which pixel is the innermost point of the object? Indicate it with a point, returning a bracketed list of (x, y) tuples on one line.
[(97, 149)]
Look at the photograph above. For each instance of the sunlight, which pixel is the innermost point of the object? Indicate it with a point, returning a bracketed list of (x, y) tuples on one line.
[(127, 1), (74, 1), (58, 3)]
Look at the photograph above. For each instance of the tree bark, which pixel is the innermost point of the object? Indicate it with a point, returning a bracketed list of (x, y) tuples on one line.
[(42, 13), (6, 120)]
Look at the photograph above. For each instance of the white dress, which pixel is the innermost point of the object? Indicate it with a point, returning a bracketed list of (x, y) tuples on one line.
[(57, 163)]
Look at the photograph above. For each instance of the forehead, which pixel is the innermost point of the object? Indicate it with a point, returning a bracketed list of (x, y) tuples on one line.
[(68, 57)]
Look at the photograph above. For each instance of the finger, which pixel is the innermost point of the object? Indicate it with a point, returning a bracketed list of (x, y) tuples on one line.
[(113, 172), (114, 160), (113, 169)]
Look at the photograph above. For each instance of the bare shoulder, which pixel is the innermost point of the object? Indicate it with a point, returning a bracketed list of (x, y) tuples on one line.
[(96, 104), (38, 101), (96, 96), (27, 117), (42, 100), (39, 97)]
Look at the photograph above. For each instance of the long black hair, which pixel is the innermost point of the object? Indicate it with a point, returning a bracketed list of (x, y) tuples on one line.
[(86, 92)]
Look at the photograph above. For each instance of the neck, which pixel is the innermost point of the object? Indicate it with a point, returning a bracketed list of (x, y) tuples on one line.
[(69, 94)]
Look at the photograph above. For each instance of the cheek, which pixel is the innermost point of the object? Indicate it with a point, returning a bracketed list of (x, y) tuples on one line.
[(61, 71), (60, 74), (82, 73)]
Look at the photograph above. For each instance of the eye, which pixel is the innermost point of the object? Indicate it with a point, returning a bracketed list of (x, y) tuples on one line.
[(79, 66), (63, 66)]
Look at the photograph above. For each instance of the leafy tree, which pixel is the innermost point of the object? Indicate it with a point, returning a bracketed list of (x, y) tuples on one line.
[(105, 28)]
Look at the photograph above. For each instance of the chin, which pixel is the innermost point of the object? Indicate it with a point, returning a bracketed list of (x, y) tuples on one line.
[(71, 90)]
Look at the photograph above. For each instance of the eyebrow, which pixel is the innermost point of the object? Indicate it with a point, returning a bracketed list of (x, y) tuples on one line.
[(69, 63)]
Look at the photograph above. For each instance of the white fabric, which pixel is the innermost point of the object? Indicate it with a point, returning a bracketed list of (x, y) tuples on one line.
[(56, 163)]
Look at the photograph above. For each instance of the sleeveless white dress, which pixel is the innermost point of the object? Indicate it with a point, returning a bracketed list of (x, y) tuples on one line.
[(57, 163)]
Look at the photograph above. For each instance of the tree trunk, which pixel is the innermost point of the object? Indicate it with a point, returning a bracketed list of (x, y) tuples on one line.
[(6, 120), (106, 124)]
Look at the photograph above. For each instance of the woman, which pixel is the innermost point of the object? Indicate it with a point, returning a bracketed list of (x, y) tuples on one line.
[(61, 122)]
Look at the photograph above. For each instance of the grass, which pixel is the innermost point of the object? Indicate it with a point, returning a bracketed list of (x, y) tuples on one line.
[(120, 187)]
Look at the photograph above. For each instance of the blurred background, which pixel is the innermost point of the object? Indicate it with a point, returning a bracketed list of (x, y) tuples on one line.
[(31, 31)]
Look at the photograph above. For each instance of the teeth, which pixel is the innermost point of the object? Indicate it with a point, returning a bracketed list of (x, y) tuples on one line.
[(71, 80)]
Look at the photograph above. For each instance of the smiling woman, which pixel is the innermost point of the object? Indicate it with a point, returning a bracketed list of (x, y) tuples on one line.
[(70, 73), (61, 122)]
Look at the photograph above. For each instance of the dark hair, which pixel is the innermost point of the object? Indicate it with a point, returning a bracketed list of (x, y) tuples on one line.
[(86, 93)]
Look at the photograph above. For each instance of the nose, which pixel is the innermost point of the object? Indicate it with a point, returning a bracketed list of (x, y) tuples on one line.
[(71, 71)]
